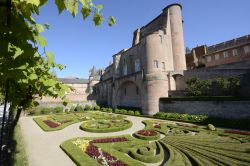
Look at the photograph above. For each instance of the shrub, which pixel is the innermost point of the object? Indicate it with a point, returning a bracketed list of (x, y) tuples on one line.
[(78, 108), (87, 107), (72, 109), (58, 109), (197, 87), (109, 110), (124, 111), (130, 112), (118, 111), (45, 110), (97, 108), (137, 113), (230, 86), (211, 127)]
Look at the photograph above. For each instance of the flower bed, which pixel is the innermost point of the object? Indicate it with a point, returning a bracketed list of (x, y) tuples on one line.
[(147, 135), (237, 132), (157, 125), (147, 132), (98, 154), (51, 124), (109, 140)]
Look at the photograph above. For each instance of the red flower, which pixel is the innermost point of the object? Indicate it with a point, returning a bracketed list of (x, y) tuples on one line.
[(237, 132), (51, 124), (147, 132), (109, 140)]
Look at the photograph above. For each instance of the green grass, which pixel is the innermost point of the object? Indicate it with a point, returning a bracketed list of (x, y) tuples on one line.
[(19, 157)]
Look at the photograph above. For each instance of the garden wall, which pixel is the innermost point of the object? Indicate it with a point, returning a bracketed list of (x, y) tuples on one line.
[(228, 108)]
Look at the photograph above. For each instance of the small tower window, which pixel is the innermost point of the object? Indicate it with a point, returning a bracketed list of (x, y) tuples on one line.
[(125, 91), (163, 66), (137, 90), (155, 64)]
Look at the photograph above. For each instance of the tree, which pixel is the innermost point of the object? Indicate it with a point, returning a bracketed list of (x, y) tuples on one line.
[(229, 86), (197, 87), (25, 73)]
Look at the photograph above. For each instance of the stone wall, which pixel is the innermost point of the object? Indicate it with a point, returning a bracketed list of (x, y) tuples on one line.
[(221, 109)]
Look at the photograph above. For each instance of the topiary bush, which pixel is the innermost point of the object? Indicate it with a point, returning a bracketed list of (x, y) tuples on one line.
[(78, 108), (97, 108), (211, 127), (137, 113), (87, 108), (131, 112), (58, 109)]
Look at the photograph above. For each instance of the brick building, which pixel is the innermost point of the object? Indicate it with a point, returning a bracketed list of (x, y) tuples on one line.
[(139, 75), (228, 52)]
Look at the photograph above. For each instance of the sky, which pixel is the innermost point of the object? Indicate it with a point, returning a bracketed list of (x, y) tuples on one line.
[(79, 45)]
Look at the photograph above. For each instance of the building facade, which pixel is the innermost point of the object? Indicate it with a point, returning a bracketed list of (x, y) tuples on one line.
[(139, 75), (232, 52), (78, 94)]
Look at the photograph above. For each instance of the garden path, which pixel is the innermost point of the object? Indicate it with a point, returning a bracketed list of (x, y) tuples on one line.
[(43, 147)]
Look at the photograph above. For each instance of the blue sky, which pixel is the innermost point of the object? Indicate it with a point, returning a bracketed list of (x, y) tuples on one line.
[(79, 45)]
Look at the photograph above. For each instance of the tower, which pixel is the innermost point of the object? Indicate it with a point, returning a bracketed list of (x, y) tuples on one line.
[(164, 52)]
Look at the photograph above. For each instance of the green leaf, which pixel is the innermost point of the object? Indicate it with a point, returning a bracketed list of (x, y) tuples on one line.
[(33, 2), (72, 7), (99, 7), (112, 21), (98, 18), (51, 58), (47, 25), (65, 102), (60, 5), (41, 40), (85, 12), (85, 2), (49, 82), (39, 28), (33, 76)]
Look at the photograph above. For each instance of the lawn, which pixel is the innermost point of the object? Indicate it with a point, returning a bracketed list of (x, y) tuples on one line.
[(182, 144), (161, 142)]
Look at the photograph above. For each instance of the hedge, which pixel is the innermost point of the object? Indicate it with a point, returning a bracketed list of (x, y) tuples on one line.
[(106, 130)]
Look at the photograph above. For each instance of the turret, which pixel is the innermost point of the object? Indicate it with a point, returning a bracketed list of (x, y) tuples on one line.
[(177, 36)]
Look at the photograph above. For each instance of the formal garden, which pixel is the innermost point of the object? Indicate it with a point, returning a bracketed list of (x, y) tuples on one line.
[(160, 142)]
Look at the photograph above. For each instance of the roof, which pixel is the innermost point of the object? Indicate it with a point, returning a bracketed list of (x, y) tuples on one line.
[(74, 80)]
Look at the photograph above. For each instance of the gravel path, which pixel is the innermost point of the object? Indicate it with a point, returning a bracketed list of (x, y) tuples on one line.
[(43, 147)]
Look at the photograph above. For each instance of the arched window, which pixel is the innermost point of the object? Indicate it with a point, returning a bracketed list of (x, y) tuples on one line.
[(155, 64)]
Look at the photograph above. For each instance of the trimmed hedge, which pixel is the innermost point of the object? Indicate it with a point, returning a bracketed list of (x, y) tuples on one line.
[(105, 130)]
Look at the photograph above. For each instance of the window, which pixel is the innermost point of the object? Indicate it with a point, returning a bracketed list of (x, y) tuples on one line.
[(235, 52), (137, 65), (163, 66), (217, 57), (155, 64), (125, 68), (125, 91), (137, 90), (247, 49), (225, 54), (209, 58)]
